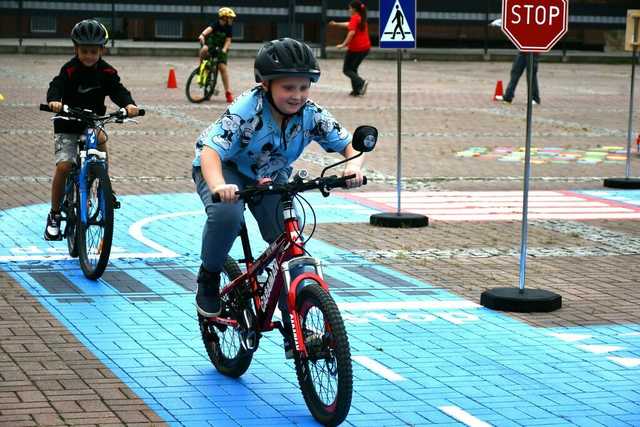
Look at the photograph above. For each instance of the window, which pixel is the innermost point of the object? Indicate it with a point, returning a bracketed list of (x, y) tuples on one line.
[(168, 28), (284, 30), (238, 31), (43, 24)]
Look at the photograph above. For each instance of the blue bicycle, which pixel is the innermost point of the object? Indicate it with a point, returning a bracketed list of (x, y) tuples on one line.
[(88, 202)]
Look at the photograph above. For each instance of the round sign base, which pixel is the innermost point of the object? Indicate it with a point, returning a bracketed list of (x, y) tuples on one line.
[(527, 301), (395, 220), (624, 183)]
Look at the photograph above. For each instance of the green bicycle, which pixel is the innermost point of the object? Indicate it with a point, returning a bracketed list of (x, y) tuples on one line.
[(202, 81)]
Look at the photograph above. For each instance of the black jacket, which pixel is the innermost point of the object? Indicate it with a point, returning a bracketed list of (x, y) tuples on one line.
[(86, 87)]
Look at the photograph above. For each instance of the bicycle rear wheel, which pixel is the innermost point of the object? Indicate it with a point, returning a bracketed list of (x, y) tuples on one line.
[(94, 236), (224, 343), (70, 206), (199, 91), (325, 375)]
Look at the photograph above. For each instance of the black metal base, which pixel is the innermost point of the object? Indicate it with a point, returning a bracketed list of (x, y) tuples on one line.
[(527, 301), (402, 220), (623, 183)]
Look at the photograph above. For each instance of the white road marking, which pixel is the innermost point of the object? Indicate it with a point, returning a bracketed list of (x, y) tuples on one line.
[(502, 205), (627, 362), (570, 337), (600, 349), (33, 253), (463, 416), (408, 305), (378, 368)]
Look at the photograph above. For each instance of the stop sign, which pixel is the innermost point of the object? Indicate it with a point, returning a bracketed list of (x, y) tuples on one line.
[(535, 25)]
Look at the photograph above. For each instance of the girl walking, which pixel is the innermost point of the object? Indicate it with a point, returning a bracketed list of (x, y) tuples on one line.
[(357, 43)]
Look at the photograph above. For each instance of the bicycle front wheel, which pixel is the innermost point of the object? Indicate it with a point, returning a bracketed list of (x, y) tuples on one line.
[(325, 375), (94, 236), (199, 91), (224, 343)]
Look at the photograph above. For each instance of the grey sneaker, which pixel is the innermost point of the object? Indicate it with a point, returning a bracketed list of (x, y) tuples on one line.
[(208, 293)]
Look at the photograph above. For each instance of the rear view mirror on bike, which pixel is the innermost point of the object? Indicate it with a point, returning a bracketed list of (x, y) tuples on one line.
[(364, 138)]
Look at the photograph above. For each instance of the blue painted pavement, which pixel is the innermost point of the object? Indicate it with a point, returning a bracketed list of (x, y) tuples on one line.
[(422, 355)]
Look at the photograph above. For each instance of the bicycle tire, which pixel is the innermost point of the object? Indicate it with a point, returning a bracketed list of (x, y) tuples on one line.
[(213, 81), (193, 89), (94, 237), (223, 343), (70, 204), (329, 356)]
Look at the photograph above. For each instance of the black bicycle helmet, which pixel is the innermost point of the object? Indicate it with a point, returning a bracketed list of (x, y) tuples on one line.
[(89, 32), (285, 58)]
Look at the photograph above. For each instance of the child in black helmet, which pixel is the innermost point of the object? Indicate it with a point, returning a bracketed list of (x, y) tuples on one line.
[(259, 136), (83, 82)]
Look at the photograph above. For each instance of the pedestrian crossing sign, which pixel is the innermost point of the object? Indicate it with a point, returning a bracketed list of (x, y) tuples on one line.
[(398, 24)]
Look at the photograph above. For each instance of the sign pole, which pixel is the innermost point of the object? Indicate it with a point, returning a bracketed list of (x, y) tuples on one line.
[(399, 153), (529, 35), (398, 31), (633, 81), (632, 42), (527, 174)]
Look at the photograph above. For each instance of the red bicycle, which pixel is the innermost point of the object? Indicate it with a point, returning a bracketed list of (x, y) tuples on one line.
[(315, 327)]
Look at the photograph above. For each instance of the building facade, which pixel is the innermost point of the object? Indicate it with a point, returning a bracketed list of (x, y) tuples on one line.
[(459, 24)]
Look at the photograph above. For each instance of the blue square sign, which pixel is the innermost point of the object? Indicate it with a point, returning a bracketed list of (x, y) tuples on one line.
[(398, 24)]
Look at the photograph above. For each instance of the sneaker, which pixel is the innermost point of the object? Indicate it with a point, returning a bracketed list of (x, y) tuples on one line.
[(52, 230), (363, 89), (288, 349), (208, 293), (229, 96), (536, 101), (353, 93), (116, 203), (507, 100)]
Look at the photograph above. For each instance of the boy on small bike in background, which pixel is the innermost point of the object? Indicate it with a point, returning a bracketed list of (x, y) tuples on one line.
[(83, 82), (258, 138), (217, 37)]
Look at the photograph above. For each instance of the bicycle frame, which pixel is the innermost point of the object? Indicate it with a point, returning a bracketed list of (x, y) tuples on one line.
[(285, 250)]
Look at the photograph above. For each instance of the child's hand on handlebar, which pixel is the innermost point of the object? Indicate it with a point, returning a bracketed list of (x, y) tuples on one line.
[(227, 192), (132, 110), (357, 180), (55, 106)]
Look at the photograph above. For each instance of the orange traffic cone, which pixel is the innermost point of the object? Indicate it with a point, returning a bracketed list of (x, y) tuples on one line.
[(497, 95), (171, 82)]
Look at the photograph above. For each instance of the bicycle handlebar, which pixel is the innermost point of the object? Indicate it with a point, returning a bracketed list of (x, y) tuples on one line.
[(84, 114), (324, 184)]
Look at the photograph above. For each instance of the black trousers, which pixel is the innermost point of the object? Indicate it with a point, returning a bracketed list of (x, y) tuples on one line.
[(352, 61), (519, 66)]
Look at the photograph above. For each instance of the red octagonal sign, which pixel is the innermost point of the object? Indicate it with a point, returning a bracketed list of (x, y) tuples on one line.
[(535, 25)]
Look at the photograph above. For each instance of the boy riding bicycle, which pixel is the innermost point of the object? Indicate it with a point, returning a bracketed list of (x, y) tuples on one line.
[(83, 82), (217, 38), (257, 139)]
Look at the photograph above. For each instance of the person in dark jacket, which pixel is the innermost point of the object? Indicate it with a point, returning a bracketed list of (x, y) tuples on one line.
[(83, 82), (518, 67)]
